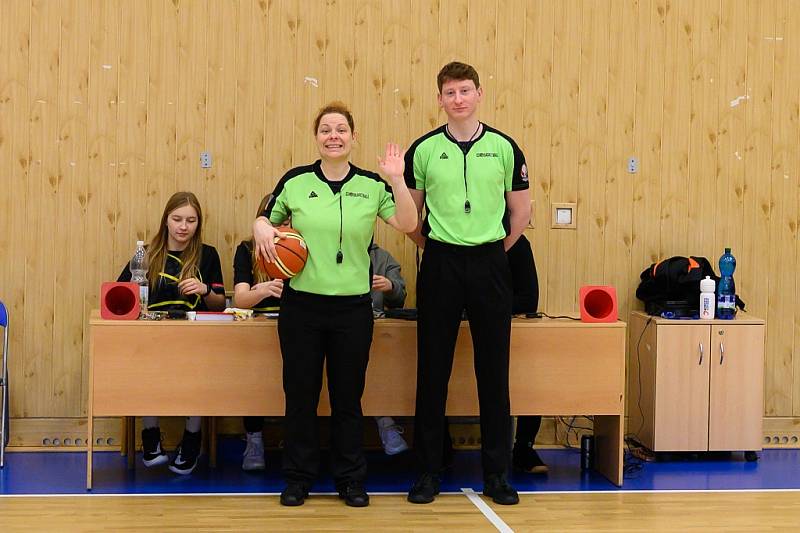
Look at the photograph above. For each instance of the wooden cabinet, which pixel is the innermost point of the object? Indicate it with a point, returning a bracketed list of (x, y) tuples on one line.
[(696, 385)]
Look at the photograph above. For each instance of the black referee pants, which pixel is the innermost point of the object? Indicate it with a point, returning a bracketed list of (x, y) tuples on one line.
[(314, 329), (453, 279)]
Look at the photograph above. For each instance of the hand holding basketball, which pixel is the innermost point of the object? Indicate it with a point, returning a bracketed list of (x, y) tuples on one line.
[(290, 254), (264, 236)]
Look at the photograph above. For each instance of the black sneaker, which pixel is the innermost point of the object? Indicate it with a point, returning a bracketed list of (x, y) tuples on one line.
[(294, 494), (186, 454), (153, 453), (527, 460), (354, 494), (425, 489), (496, 487)]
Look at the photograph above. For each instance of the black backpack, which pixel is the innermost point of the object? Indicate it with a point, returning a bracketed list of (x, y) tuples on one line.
[(672, 287)]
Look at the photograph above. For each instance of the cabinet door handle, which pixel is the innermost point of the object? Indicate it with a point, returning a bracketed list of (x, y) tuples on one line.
[(701, 353), (721, 352)]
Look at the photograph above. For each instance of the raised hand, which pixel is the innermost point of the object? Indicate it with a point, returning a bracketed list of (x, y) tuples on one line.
[(392, 163)]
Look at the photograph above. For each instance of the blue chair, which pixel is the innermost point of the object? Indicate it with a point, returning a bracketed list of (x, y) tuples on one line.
[(4, 385)]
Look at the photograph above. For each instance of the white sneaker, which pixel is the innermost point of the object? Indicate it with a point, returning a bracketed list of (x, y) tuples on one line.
[(254, 453), (393, 442)]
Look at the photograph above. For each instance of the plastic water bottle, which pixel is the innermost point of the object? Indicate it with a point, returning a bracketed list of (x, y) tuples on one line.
[(726, 292), (707, 298), (138, 267)]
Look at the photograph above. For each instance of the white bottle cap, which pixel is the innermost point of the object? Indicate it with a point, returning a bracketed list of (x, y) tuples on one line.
[(707, 285), (139, 243)]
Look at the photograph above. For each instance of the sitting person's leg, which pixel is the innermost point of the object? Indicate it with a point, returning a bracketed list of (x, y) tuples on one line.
[(254, 451), (391, 435), (524, 456), (153, 453), (188, 451)]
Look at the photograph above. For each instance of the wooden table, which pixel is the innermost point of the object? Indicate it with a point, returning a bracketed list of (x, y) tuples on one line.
[(179, 368)]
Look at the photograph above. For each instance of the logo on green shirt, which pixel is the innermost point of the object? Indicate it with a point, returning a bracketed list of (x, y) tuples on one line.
[(443, 156), (313, 195), (357, 194)]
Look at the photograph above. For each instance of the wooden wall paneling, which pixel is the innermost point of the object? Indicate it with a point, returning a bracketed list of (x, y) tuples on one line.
[(42, 188), (191, 102), (704, 93), (478, 47), (271, 86), (619, 143), (101, 211), (394, 122), (251, 124), (752, 284), (452, 30), (134, 69), (509, 53), (675, 137), (306, 81), (648, 132), (222, 22), (6, 151), (69, 231), (561, 254), (15, 26), (592, 133), (733, 98), (703, 128), (282, 30), (537, 129), (423, 108), (161, 112), (782, 274), (373, 131), (792, 175)]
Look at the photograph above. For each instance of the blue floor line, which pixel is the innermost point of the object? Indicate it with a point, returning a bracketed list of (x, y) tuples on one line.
[(64, 473)]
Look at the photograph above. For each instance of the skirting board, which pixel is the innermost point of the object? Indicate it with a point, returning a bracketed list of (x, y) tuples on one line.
[(65, 434)]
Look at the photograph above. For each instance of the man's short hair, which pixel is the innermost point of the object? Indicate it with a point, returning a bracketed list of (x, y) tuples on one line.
[(457, 71)]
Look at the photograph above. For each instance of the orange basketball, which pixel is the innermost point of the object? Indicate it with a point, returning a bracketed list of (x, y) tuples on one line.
[(292, 254)]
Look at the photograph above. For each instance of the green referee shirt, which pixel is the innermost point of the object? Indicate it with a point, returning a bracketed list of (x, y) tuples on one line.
[(465, 184), (332, 216)]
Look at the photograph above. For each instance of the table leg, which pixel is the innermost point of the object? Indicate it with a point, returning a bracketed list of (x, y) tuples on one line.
[(212, 441), (89, 448), (608, 445), (130, 440)]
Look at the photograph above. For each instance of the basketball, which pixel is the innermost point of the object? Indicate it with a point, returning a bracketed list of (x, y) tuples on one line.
[(292, 254)]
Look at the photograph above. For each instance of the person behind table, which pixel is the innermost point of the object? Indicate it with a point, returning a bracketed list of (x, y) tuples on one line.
[(184, 274), (326, 314), (253, 289), (388, 290), (473, 181), (525, 282)]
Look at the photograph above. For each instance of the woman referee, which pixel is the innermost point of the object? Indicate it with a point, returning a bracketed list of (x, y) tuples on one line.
[(326, 311)]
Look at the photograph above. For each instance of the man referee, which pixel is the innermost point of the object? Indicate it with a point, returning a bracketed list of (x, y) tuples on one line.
[(473, 181)]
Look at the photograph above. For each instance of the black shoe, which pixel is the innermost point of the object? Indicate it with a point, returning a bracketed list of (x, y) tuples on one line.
[(294, 494), (354, 494), (425, 489), (527, 460), (186, 454), (496, 487), (153, 453)]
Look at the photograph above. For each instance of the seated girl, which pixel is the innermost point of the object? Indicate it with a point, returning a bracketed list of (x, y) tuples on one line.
[(184, 274)]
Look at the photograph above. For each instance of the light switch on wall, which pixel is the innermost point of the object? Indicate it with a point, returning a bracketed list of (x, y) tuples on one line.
[(564, 216)]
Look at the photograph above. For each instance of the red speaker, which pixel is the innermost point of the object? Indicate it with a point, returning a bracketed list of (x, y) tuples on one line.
[(598, 303), (119, 301)]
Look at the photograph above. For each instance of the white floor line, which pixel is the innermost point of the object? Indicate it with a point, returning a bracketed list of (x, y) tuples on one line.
[(487, 511)]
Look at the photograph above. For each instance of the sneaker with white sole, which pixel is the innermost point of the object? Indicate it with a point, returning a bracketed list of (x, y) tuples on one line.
[(391, 437), (254, 453), (153, 453), (186, 454)]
